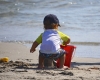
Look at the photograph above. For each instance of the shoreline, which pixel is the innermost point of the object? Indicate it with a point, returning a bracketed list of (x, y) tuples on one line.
[(23, 65), (83, 49)]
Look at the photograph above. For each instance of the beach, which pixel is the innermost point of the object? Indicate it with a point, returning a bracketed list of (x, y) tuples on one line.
[(22, 65), (21, 22)]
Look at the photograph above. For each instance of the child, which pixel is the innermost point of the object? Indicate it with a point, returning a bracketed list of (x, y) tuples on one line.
[(50, 41)]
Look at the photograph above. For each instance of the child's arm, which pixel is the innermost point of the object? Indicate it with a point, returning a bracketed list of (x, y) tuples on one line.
[(65, 38), (67, 42), (34, 45)]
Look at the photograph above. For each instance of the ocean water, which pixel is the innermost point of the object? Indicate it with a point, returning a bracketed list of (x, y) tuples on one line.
[(22, 21)]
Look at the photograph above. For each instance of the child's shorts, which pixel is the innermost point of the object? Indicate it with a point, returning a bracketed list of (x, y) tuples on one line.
[(54, 56)]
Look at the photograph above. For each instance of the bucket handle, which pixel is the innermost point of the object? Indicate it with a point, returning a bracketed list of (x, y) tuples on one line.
[(74, 52)]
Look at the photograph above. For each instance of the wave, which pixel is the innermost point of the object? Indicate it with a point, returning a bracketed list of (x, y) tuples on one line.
[(86, 43), (74, 43), (4, 2), (10, 13)]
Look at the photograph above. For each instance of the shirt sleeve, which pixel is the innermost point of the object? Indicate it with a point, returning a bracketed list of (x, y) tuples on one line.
[(39, 39), (63, 36)]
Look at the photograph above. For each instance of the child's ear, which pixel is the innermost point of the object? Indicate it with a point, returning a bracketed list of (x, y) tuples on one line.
[(56, 27)]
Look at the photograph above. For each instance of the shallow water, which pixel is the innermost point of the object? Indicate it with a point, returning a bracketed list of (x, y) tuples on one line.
[(22, 21)]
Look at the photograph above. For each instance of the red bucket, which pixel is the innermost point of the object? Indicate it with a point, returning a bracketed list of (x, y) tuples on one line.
[(69, 52)]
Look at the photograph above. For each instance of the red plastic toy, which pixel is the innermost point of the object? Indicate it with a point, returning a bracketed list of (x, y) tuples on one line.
[(69, 52)]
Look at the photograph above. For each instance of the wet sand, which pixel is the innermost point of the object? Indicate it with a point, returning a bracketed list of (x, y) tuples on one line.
[(22, 65)]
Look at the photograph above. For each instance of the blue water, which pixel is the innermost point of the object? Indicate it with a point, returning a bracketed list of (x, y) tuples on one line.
[(22, 21)]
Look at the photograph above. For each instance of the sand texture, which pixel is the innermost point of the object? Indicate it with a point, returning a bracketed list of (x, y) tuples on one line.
[(22, 65)]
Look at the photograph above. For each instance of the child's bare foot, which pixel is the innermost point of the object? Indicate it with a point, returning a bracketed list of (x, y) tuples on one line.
[(64, 68)]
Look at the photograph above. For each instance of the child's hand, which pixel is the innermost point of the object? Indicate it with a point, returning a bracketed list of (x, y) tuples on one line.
[(32, 50), (64, 43), (67, 42)]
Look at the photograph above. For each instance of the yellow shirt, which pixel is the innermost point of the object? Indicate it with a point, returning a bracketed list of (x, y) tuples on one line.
[(63, 36)]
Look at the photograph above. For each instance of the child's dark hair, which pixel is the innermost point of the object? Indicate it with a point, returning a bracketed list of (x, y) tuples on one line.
[(48, 25), (50, 21)]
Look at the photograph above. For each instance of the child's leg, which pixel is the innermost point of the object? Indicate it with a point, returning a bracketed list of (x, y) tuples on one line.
[(41, 62), (62, 61)]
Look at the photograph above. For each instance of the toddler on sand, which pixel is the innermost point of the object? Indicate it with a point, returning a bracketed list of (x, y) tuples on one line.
[(50, 41)]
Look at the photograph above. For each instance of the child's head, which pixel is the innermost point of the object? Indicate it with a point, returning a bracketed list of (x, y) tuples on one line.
[(51, 22)]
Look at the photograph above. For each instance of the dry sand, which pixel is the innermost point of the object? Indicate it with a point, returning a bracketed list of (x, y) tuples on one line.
[(22, 65)]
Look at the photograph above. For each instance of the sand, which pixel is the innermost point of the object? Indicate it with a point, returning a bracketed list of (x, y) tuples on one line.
[(22, 65)]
